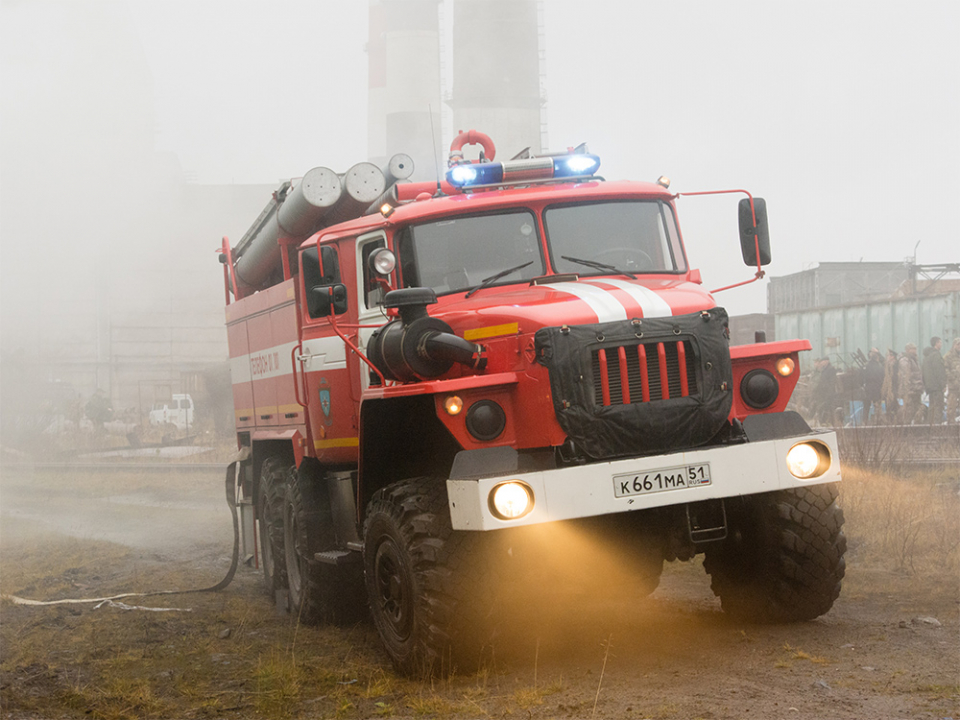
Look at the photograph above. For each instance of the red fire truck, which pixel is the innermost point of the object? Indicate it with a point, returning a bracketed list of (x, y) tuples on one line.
[(421, 371)]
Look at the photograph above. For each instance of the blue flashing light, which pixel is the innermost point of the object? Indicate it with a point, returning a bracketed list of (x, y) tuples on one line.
[(575, 165), (532, 169), (475, 174)]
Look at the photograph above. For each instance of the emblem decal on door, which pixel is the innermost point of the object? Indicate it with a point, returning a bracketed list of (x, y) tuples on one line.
[(324, 391)]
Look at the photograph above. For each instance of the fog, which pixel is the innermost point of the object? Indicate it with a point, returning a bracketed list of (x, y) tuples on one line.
[(135, 134)]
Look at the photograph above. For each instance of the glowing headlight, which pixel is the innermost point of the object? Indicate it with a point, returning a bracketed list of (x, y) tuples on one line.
[(808, 460), (785, 366), (511, 500), (453, 405)]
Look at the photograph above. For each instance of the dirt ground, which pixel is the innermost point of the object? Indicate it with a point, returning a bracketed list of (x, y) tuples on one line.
[(890, 648)]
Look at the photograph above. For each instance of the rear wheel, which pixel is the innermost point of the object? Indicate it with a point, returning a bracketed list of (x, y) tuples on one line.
[(318, 592), (783, 559), (270, 524), (304, 534), (424, 580)]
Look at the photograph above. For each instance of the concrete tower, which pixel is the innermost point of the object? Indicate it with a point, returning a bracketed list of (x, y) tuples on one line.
[(496, 72), (404, 85)]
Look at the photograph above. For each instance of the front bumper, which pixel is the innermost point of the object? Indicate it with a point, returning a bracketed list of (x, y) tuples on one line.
[(590, 490)]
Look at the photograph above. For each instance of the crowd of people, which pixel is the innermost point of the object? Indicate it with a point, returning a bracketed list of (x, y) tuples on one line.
[(893, 387)]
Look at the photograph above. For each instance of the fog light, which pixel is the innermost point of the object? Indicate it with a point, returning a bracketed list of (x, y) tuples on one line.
[(511, 500), (785, 366), (453, 405), (759, 389), (486, 420), (808, 460)]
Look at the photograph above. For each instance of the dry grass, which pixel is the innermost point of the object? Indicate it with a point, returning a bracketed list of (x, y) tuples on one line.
[(907, 526)]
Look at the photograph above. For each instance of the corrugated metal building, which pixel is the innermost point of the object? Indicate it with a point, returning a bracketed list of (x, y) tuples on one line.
[(839, 332), (835, 283)]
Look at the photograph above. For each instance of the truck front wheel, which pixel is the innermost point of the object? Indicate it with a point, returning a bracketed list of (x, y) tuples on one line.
[(423, 579), (783, 558)]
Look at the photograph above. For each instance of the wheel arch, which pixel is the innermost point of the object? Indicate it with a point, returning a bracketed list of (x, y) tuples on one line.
[(401, 438), (263, 449)]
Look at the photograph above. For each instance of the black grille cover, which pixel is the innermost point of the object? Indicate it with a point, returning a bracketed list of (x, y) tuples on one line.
[(639, 428)]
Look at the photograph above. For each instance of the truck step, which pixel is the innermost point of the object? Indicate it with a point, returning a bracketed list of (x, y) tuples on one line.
[(707, 521), (338, 557)]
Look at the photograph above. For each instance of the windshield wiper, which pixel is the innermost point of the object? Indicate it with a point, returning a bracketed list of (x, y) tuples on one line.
[(486, 282), (599, 266)]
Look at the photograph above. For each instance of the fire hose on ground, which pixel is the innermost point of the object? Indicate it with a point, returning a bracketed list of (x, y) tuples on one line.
[(230, 484)]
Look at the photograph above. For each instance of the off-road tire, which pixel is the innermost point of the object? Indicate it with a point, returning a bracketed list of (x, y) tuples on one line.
[(427, 585), (306, 530), (270, 492), (783, 558), (318, 592)]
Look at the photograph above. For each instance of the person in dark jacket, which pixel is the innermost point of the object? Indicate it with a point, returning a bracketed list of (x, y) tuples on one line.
[(872, 386), (934, 380)]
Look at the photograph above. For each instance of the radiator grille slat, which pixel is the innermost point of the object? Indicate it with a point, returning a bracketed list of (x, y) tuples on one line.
[(645, 365)]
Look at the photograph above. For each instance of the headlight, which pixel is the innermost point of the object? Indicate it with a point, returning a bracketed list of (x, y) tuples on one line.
[(486, 420), (786, 366), (453, 405), (383, 261), (759, 389), (511, 500), (808, 460)]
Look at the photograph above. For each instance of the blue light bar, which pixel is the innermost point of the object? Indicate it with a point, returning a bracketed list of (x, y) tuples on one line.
[(475, 174), (532, 169), (575, 165)]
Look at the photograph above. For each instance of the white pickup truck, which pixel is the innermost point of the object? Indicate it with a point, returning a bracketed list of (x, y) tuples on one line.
[(178, 412)]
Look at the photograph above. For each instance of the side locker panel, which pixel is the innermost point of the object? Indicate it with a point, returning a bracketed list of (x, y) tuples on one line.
[(283, 320), (264, 365), (240, 374)]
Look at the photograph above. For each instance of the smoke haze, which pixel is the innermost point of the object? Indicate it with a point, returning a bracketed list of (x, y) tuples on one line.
[(135, 134)]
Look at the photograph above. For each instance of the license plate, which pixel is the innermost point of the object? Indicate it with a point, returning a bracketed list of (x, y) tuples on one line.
[(661, 480)]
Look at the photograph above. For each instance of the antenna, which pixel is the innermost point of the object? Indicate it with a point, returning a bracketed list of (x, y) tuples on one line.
[(436, 152)]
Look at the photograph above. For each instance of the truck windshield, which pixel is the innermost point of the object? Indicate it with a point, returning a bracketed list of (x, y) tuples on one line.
[(457, 254), (631, 236)]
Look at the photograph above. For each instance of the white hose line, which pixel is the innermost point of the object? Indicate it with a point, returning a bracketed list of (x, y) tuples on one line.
[(227, 579)]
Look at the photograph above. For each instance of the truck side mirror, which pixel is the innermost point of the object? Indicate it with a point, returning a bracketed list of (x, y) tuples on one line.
[(325, 299), (753, 237)]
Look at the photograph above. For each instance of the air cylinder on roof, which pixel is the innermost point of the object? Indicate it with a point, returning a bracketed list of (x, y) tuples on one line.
[(362, 184), (293, 215), (400, 167)]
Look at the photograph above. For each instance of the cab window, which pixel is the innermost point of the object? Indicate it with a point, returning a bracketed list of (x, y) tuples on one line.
[(600, 238), (317, 280), (459, 253)]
